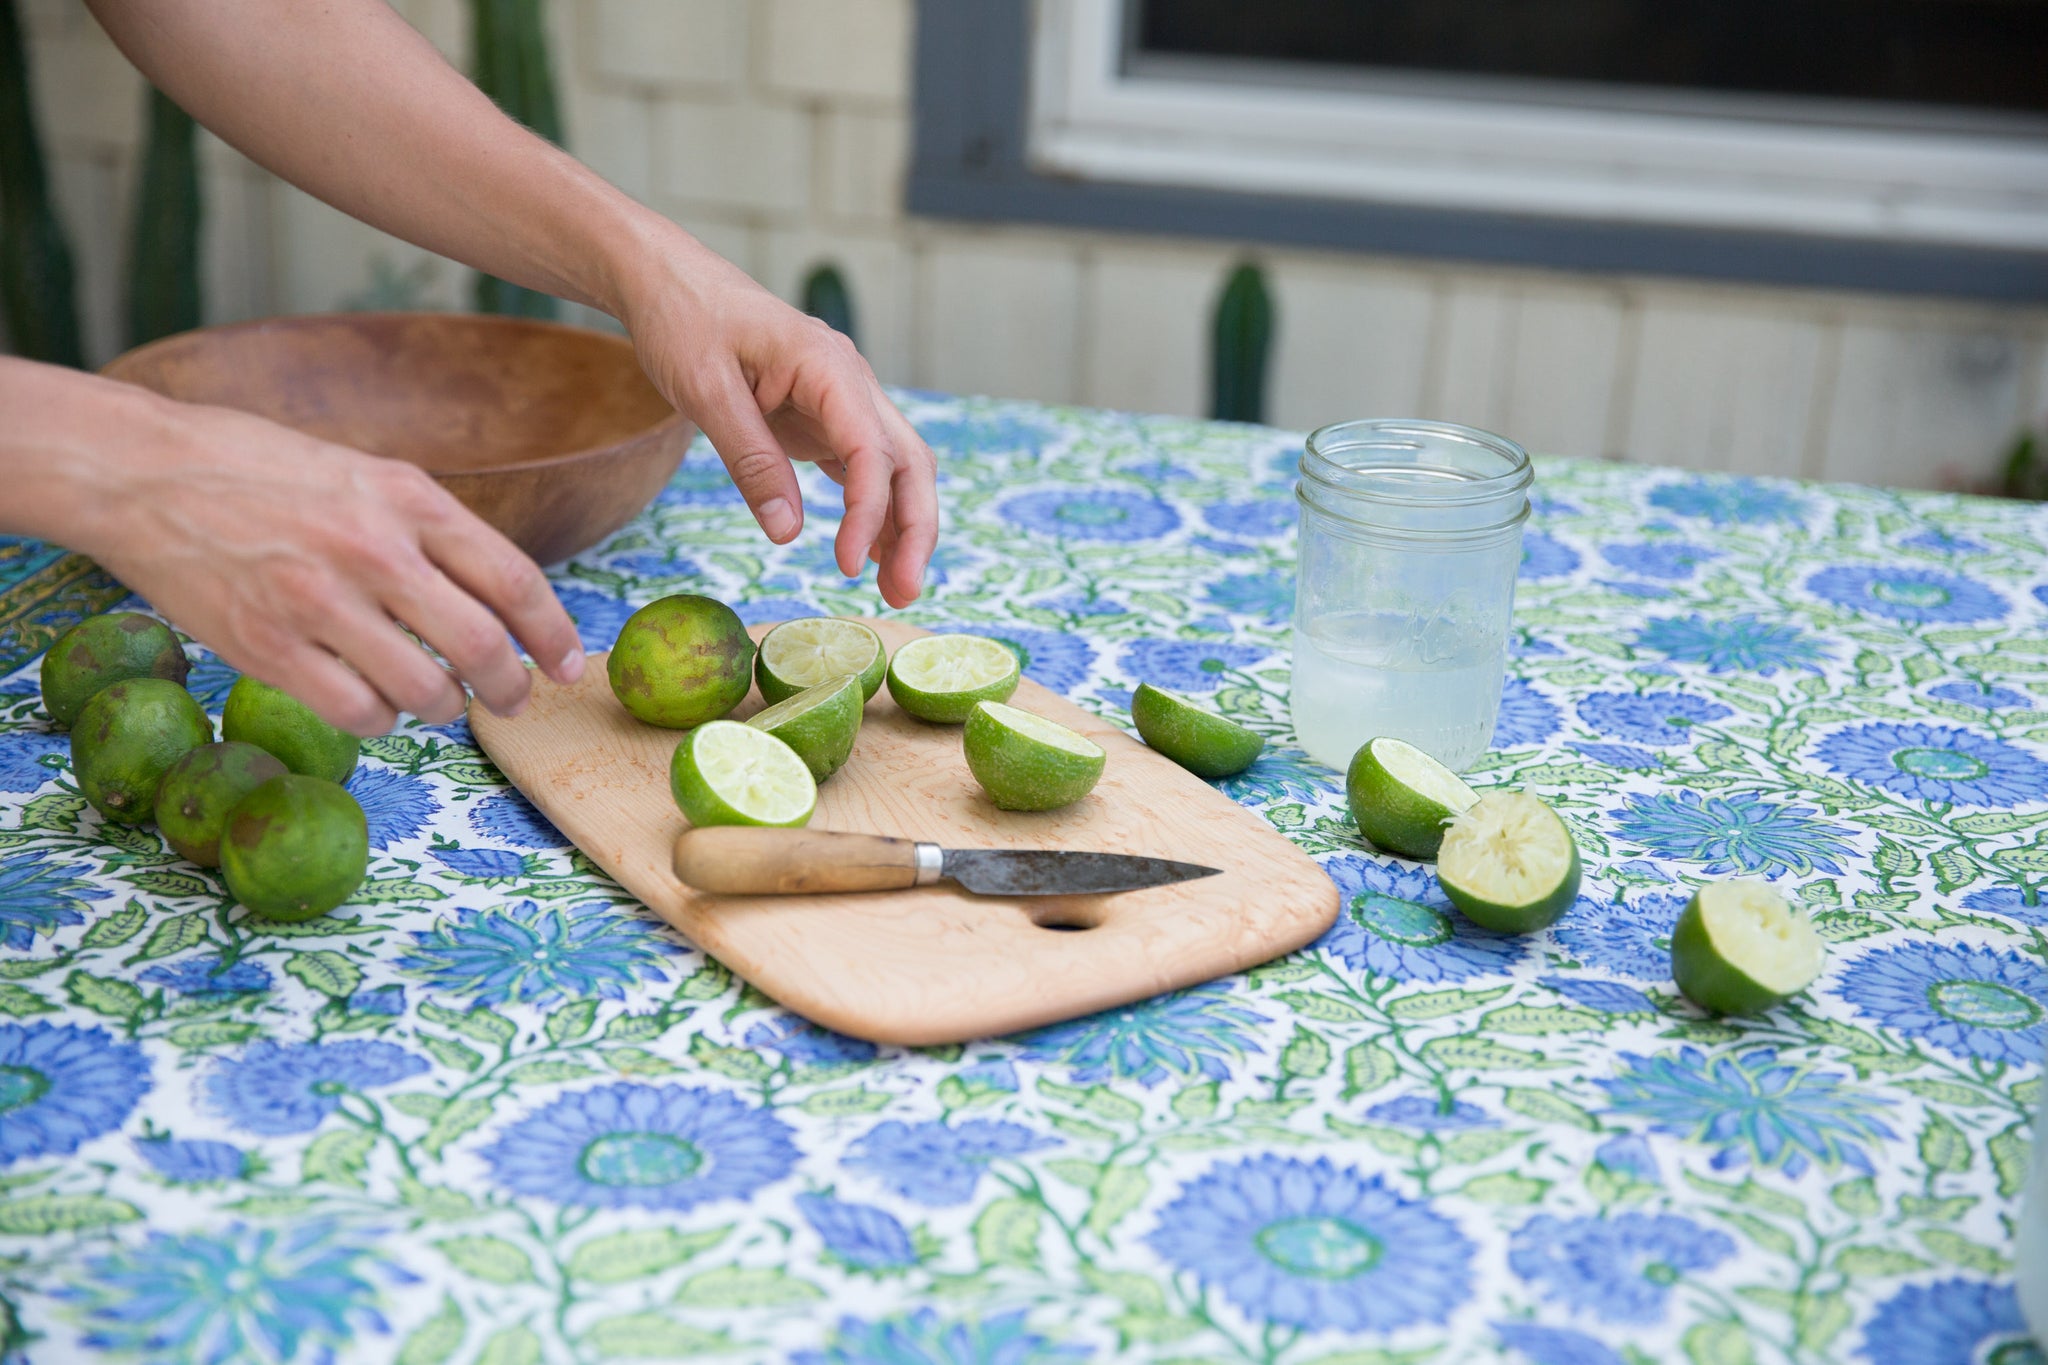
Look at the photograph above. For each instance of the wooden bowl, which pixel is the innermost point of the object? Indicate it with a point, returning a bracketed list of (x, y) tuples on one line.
[(550, 433)]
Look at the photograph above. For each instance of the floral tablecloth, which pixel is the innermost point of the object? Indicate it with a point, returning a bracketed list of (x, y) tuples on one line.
[(494, 1112)]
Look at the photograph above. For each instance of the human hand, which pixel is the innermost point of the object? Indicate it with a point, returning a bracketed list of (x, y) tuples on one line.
[(769, 385), (297, 560)]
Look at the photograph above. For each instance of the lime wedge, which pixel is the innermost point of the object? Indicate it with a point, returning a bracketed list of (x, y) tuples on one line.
[(1740, 948), (726, 773), (941, 677), (820, 723), (1026, 762), (1509, 863), (1402, 798), (1206, 745), (800, 654)]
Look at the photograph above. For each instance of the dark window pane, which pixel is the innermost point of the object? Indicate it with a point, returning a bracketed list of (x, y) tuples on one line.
[(1974, 54)]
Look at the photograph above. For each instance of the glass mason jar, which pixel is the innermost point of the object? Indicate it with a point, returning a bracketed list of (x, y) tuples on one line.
[(1411, 536)]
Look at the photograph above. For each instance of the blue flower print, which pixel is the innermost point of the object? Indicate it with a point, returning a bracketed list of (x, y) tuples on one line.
[(2010, 902), (1075, 604), (525, 953), (236, 1295), (1155, 472), (1526, 716), (385, 1000), (1105, 514), (39, 897), (61, 1086), (1751, 1108), (209, 680), (924, 1338), (1428, 1112), (1967, 1001), (1620, 1268), (1649, 717), (1545, 557), (989, 1078), (29, 758), (986, 434), (1049, 658), (273, 1089), (802, 1041), (1732, 644), (193, 1161), (666, 1147), (210, 976), (397, 805), (1668, 559), (1316, 1246), (1555, 1345), (1633, 939), (1984, 695), (756, 611), (1942, 763), (1949, 1322), (657, 564), (598, 615), (512, 818), (1732, 836), (482, 864), (2041, 594), (1185, 665), (1625, 756), (1396, 921), (1609, 997), (701, 482), (1629, 1156), (1267, 596), (1907, 594), (1198, 1032), (1260, 519), (858, 1235), (1937, 541), (939, 1163), (1729, 502), (1648, 592), (1227, 549), (1280, 775)]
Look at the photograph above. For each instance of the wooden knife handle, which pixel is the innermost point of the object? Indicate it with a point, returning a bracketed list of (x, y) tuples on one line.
[(735, 860)]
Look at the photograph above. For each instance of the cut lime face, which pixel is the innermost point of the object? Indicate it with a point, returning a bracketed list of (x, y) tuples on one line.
[(1509, 863), (802, 654), (1740, 948), (1402, 798), (941, 677), (1026, 762), (726, 773), (1206, 745), (820, 723)]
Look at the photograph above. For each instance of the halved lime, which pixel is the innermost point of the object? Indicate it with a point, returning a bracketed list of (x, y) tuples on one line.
[(726, 773), (1206, 745), (941, 677), (1740, 948), (820, 723), (1402, 798), (1026, 762), (800, 654), (1509, 863)]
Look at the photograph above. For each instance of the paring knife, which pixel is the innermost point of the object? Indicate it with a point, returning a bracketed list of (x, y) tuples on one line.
[(744, 861)]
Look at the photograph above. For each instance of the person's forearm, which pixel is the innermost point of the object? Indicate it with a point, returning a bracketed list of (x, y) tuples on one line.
[(345, 100), (59, 447)]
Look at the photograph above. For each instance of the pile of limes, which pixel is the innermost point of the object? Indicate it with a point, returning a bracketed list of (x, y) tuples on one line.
[(264, 805)]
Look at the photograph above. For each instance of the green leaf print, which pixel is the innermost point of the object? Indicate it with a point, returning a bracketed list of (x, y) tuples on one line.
[(213, 1033), (1121, 1189), (851, 1100), (325, 971), (1943, 1146), (571, 1021), (21, 1002), (436, 1339), (1957, 1249), (111, 931), (1505, 1188), (35, 1215), (512, 1346), (450, 1053), (173, 935), (1367, 1067), (338, 1157), (1006, 1233), (102, 995), (1540, 1019), (1718, 1343), (454, 1121), (2009, 1150), (159, 882), (1196, 1101), (1547, 1106), (650, 1336), (488, 1258), (626, 1256), (1480, 1054), (1438, 1004), (1306, 1054), (1868, 1260), (479, 1023), (746, 1287)]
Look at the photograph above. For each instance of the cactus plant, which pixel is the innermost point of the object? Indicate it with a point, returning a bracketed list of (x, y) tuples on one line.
[(827, 299), (163, 270), (511, 46), (1242, 339), (38, 289)]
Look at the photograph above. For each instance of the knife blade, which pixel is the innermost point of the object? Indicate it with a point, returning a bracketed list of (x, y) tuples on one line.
[(740, 861)]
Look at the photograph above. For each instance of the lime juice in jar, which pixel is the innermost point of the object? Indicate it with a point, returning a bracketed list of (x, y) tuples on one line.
[(1411, 535)]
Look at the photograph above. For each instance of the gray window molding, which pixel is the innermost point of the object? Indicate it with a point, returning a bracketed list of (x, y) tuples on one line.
[(969, 164)]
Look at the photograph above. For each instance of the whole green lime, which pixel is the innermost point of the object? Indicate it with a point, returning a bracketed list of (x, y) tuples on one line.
[(287, 729), (102, 650), (295, 847), (127, 738), (681, 661), (201, 788)]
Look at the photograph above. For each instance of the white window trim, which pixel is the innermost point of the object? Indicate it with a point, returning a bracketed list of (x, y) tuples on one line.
[(1942, 186)]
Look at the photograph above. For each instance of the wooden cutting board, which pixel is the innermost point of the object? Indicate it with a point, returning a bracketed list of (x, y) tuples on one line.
[(931, 964)]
